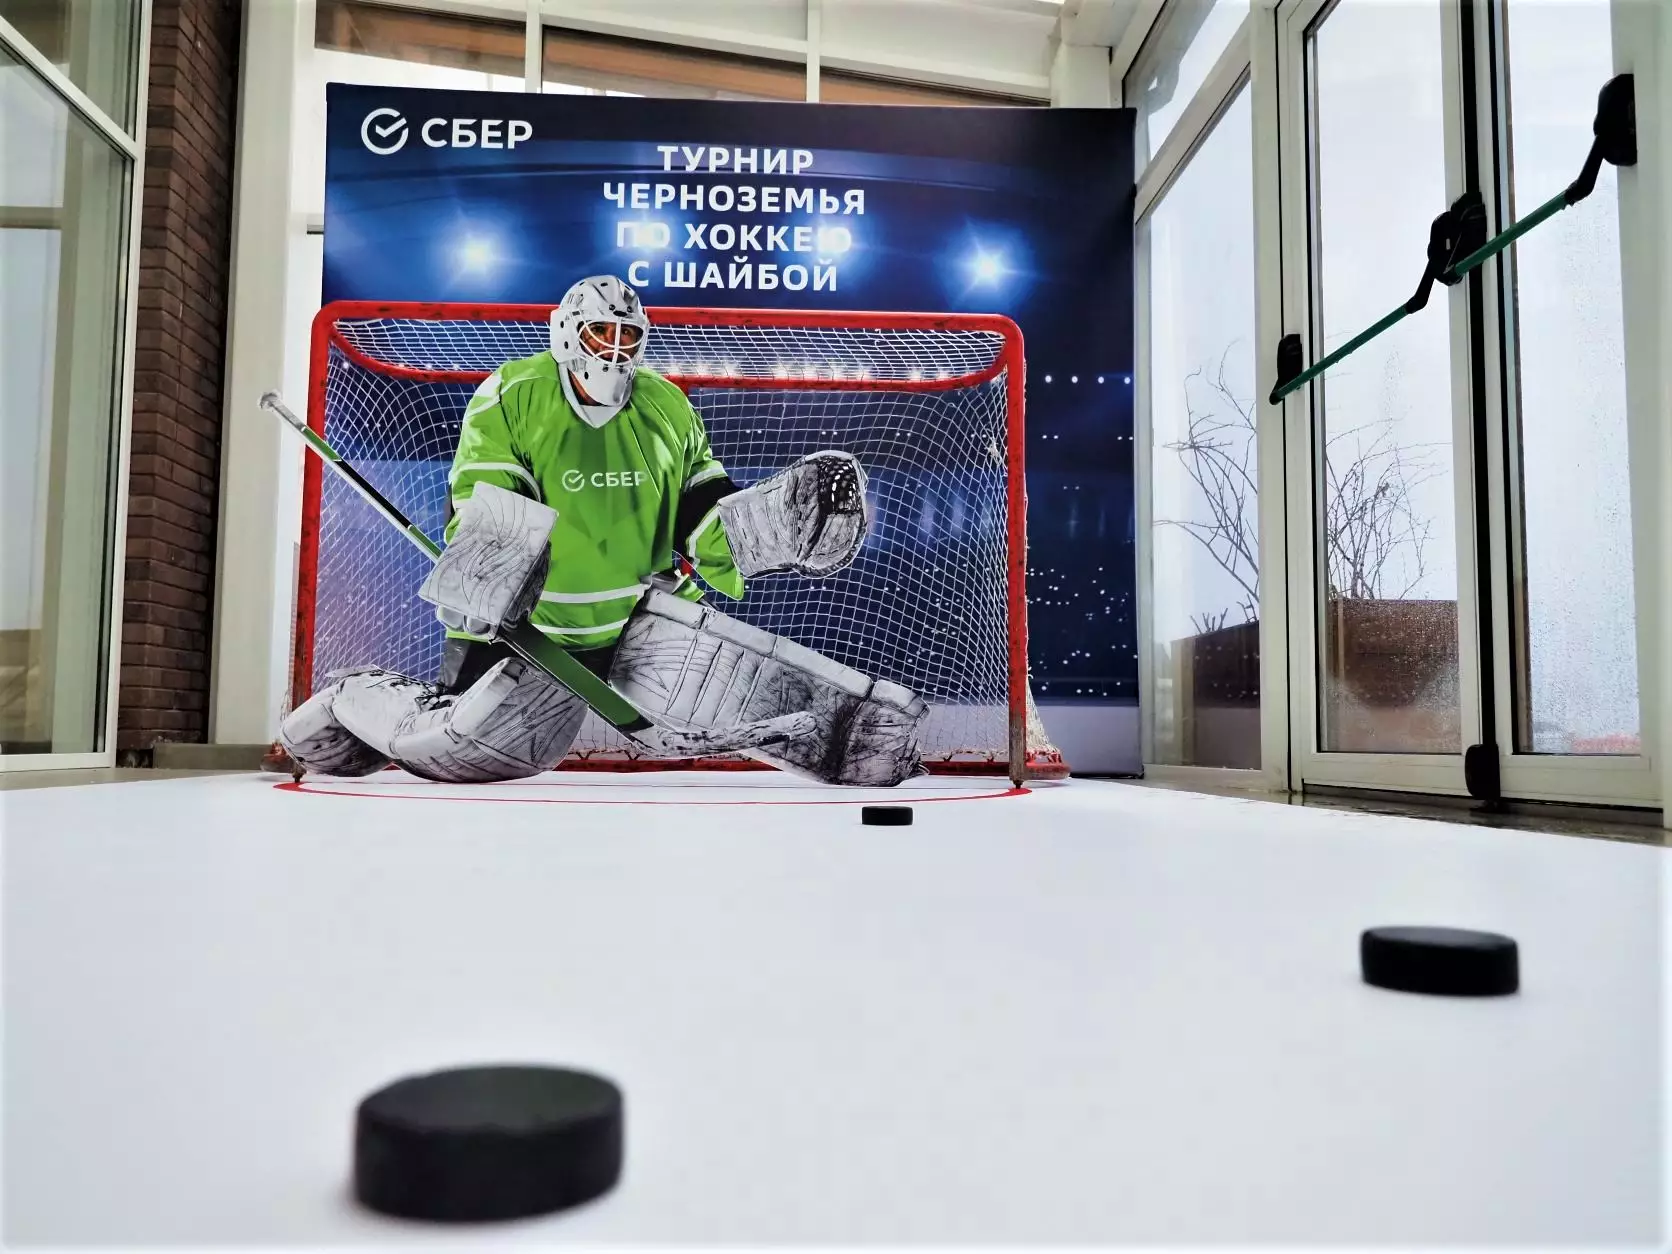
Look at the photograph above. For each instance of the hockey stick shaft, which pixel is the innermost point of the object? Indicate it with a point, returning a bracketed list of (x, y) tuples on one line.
[(525, 640), (274, 404)]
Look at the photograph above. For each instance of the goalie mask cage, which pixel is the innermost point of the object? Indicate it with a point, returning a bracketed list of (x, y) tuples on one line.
[(932, 405)]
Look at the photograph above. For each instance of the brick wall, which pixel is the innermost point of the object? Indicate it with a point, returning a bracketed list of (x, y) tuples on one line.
[(185, 236)]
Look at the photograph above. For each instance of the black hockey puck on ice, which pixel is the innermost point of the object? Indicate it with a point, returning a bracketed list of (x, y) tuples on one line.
[(484, 1143), (885, 816), (1450, 962)]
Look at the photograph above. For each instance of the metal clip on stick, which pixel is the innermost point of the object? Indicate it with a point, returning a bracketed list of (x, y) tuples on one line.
[(1456, 233), (1462, 226)]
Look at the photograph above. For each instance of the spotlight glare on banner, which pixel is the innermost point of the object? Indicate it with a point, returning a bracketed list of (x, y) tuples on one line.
[(986, 268), (833, 242), (477, 255)]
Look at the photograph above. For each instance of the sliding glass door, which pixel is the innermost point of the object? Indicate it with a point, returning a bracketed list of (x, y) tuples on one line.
[(1464, 583), (1571, 640), (1380, 612)]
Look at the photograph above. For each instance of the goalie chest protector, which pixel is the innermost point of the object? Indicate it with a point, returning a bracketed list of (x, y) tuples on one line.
[(617, 489)]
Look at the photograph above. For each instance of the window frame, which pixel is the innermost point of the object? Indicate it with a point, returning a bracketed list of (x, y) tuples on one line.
[(130, 148), (1612, 781), (1623, 779), (1310, 764), (1185, 128), (1237, 68)]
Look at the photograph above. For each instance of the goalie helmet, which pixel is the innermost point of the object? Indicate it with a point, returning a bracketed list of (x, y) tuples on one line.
[(598, 335)]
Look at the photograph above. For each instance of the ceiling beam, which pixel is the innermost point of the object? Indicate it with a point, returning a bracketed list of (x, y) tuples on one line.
[(1095, 23)]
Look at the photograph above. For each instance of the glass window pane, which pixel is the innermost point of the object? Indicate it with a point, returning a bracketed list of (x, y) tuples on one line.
[(841, 87), (1175, 62), (604, 65), (95, 43), (1204, 687), (1575, 614), (63, 200), (382, 46), (1388, 677), (438, 39)]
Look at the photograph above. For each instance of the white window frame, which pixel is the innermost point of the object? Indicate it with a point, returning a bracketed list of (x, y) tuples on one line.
[(1647, 36), (1641, 47), (130, 143), (1616, 779), (1238, 67), (1309, 764)]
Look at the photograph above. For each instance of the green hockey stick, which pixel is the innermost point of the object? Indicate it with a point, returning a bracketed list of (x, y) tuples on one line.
[(524, 639), (1615, 132), (527, 642)]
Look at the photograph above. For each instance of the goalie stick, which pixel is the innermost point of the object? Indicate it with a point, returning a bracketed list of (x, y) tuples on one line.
[(529, 644)]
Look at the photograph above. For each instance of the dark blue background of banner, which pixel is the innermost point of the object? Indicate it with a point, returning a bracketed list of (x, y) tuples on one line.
[(1045, 195)]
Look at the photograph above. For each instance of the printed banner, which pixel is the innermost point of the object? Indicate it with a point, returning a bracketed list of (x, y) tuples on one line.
[(500, 198)]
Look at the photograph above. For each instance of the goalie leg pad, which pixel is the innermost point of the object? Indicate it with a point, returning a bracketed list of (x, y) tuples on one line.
[(317, 741), (694, 668), (513, 722)]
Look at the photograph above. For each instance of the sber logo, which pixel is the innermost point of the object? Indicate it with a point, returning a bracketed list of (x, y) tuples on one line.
[(574, 480), (384, 137), (385, 132)]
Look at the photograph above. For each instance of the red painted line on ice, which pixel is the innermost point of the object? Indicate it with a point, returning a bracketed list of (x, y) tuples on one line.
[(384, 793)]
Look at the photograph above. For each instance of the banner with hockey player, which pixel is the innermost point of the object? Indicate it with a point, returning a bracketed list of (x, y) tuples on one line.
[(813, 497)]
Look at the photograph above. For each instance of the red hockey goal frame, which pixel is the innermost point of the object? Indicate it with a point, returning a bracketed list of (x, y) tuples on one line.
[(1042, 761)]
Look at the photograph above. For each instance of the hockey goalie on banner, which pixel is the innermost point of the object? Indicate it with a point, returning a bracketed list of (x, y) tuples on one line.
[(581, 479)]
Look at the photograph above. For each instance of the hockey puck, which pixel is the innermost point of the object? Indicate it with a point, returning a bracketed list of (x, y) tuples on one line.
[(485, 1143), (885, 816), (1446, 961)]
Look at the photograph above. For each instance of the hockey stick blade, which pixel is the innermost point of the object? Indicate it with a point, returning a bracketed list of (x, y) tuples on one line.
[(524, 639), (667, 742)]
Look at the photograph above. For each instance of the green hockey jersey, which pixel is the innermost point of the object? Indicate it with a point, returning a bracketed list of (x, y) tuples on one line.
[(629, 495)]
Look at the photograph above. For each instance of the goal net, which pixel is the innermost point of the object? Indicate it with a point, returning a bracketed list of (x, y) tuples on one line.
[(930, 404)]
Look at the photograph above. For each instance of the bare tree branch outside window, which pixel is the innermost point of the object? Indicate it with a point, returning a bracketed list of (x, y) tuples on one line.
[(1218, 454), (1374, 540)]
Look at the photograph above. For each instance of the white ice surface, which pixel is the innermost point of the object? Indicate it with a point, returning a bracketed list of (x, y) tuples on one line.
[(1095, 1013)]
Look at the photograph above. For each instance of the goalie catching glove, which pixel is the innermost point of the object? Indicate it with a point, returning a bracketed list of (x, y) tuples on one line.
[(810, 518)]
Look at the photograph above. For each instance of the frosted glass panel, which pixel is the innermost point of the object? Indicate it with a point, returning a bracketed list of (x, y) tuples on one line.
[(1574, 613), (1388, 661)]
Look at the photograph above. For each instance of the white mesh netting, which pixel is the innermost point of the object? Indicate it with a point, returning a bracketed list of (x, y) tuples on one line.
[(925, 602)]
